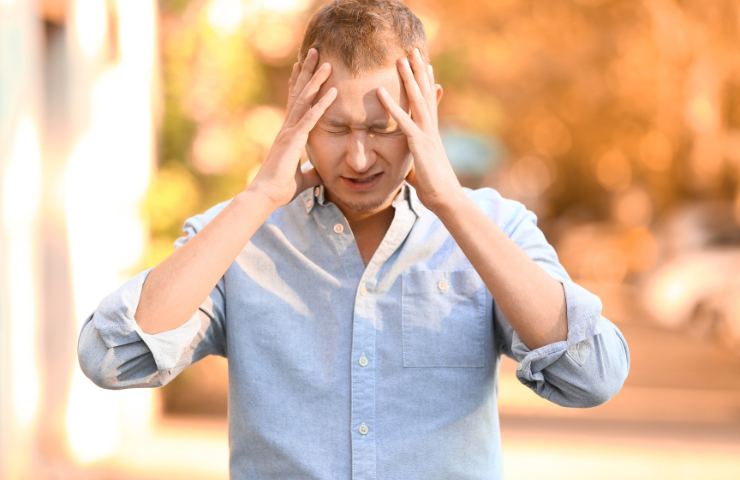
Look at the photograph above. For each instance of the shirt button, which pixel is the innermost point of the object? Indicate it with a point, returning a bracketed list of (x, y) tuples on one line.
[(363, 290), (338, 228), (362, 361), (443, 286), (363, 429)]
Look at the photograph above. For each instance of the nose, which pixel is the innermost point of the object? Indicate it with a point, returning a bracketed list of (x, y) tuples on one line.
[(360, 155)]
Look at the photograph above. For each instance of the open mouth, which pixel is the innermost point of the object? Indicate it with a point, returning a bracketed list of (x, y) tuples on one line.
[(364, 182)]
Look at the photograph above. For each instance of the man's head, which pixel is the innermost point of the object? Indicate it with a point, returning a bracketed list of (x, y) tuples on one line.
[(356, 140), (364, 34)]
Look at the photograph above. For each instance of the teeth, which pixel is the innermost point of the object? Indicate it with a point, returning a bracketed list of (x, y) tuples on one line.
[(364, 180)]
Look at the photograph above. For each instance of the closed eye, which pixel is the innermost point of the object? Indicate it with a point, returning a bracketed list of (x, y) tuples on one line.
[(392, 130), (379, 130), (336, 131)]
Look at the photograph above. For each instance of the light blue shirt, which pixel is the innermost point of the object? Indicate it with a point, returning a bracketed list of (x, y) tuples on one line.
[(340, 370)]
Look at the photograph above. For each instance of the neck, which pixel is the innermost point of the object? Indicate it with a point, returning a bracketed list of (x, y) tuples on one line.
[(369, 222), (369, 231)]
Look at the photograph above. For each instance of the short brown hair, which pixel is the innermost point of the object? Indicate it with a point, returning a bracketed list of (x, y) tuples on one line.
[(363, 33)]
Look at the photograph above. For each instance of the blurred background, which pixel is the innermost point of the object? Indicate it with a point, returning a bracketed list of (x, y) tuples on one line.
[(616, 121)]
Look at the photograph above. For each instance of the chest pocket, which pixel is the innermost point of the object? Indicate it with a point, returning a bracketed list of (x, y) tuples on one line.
[(443, 319)]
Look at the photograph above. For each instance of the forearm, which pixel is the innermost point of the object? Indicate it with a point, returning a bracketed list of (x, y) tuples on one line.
[(532, 300), (177, 286)]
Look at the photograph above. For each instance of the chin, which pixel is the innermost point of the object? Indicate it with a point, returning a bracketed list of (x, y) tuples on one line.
[(364, 207), (369, 202)]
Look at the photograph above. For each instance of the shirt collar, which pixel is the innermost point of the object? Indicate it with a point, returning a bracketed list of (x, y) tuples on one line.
[(317, 195)]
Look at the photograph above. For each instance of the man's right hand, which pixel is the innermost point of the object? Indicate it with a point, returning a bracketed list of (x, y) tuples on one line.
[(280, 178), (174, 289)]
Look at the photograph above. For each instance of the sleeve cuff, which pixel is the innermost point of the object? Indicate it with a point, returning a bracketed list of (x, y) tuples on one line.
[(583, 310), (114, 320)]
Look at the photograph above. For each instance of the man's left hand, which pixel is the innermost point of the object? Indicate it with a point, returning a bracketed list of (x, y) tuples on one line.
[(431, 172)]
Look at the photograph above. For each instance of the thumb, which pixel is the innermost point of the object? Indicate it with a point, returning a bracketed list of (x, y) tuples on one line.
[(309, 176), (411, 176)]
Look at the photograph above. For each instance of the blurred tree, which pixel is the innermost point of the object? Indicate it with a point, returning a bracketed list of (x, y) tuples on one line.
[(609, 110)]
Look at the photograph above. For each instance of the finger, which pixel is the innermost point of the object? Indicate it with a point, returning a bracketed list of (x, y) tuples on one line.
[(403, 119), (416, 99), (309, 119), (306, 71), (305, 98), (291, 83), (421, 73), (424, 75), (294, 74), (433, 97)]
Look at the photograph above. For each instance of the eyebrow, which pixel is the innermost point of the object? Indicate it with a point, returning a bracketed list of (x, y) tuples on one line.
[(386, 122)]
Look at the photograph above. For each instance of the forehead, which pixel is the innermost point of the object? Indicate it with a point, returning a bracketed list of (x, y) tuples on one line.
[(357, 100)]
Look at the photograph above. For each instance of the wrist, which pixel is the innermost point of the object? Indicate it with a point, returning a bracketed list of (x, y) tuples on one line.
[(448, 203), (255, 201)]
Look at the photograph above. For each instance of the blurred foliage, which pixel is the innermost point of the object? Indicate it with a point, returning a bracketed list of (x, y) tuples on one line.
[(593, 98), (611, 112)]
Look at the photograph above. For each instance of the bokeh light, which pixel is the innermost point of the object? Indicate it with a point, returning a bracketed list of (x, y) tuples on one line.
[(616, 122)]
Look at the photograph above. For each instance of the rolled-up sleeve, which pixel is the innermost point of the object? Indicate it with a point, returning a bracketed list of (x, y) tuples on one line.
[(591, 364), (115, 353)]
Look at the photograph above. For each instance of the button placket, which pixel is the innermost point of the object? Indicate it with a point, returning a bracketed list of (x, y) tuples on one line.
[(363, 361), (363, 376), (364, 333)]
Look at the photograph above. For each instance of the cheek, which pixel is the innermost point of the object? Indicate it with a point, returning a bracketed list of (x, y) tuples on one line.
[(393, 148), (323, 148)]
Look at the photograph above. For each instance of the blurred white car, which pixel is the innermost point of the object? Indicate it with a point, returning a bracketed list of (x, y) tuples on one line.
[(696, 286)]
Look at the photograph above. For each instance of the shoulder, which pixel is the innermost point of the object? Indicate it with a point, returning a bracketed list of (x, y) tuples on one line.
[(196, 223), (200, 220), (506, 212)]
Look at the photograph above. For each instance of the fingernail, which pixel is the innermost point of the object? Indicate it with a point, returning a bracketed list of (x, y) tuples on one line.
[(417, 52)]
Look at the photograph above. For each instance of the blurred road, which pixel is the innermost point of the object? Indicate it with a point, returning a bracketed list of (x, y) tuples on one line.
[(677, 417), (564, 450)]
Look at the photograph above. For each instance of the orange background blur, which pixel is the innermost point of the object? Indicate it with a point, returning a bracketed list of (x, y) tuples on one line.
[(616, 121)]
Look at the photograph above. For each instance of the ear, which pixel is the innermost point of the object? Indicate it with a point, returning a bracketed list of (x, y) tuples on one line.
[(439, 91)]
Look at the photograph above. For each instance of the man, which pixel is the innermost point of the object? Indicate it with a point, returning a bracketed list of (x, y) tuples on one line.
[(363, 304)]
